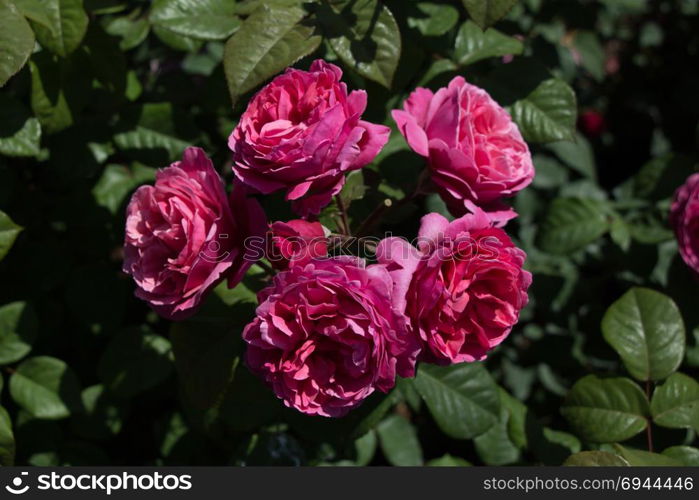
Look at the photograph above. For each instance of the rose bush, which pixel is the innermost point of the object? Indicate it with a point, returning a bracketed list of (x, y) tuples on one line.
[(384, 300)]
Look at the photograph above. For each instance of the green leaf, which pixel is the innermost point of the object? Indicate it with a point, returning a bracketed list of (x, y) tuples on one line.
[(201, 19), (433, 19), (487, 12), (595, 459), (547, 114), (117, 181), (18, 328), (144, 138), (131, 31), (646, 329), (177, 41), (267, 42), (103, 416), (63, 27), (20, 132), (16, 40), (640, 458), (135, 361), (60, 89), (494, 447), (675, 403), (365, 36), (8, 233), (606, 410), (591, 53), (206, 356), (46, 387), (354, 188), (571, 224), (399, 442), (463, 399), (474, 44), (7, 439), (448, 461), (577, 154), (688, 455)]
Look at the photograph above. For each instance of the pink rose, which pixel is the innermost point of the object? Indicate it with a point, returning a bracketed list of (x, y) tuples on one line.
[(684, 218), (183, 237), (295, 242), (326, 336), (462, 287), (302, 133), (475, 152)]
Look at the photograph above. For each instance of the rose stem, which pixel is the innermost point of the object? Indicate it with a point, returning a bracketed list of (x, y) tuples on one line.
[(343, 213)]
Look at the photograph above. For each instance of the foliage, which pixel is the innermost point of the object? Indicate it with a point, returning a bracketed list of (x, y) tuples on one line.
[(97, 94)]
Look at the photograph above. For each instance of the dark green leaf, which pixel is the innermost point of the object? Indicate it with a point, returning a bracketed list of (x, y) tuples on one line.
[(46, 387), (474, 44), (131, 31), (448, 461), (548, 113), (487, 12), (117, 182), (60, 89), (463, 399), (7, 439), (688, 455), (103, 417), (18, 327), (595, 459), (646, 329), (571, 224), (606, 410), (267, 42), (365, 36), (135, 361), (354, 188), (675, 403), (67, 25), (433, 19), (640, 458), (399, 441), (16, 40), (577, 154), (201, 19), (8, 233), (20, 133), (206, 356)]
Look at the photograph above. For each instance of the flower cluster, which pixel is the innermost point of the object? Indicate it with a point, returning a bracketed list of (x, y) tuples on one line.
[(331, 330)]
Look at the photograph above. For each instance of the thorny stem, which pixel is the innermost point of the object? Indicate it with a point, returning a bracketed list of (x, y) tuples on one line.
[(343, 213)]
